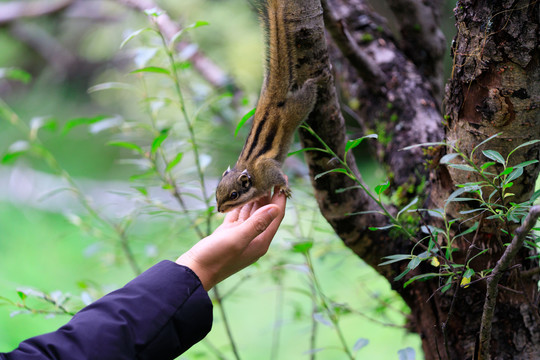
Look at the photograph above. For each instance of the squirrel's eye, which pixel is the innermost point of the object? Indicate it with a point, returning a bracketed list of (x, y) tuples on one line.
[(234, 195)]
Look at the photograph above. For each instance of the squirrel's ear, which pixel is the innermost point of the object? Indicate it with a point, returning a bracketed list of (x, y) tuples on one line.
[(226, 171), (244, 179)]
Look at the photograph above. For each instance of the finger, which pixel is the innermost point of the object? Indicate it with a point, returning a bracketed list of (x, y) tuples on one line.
[(259, 203), (258, 222), (245, 211), (259, 246), (279, 199), (232, 216)]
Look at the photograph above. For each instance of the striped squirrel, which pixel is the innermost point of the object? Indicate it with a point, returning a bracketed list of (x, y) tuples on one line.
[(282, 107)]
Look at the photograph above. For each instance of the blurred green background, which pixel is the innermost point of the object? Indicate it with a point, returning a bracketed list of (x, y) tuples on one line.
[(50, 244)]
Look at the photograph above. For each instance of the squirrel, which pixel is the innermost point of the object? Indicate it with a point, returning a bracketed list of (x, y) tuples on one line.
[(282, 107)]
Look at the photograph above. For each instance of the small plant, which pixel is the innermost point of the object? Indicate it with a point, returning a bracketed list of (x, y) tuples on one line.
[(492, 194)]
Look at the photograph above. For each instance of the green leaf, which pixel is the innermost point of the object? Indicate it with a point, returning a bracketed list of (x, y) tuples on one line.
[(421, 277), (535, 196), (15, 74), (494, 155), (469, 230), (486, 165), (465, 212), (15, 150), (41, 122), (133, 35), (359, 344), (462, 167), (243, 120), (306, 149), (468, 273), (342, 190), (302, 247), (485, 141), (415, 261), (525, 163), (174, 162), (153, 12), (447, 285), (379, 189), (111, 86), (152, 69), (320, 318), (147, 174), (409, 205), (514, 175), (506, 171), (11, 157), (179, 33), (351, 144), (70, 124), (407, 354), (364, 212), (375, 228), (336, 170), (430, 229), (395, 258), (127, 145), (448, 157), (159, 140), (142, 190), (424, 144), (400, 276), (22, 295), (528, 143)]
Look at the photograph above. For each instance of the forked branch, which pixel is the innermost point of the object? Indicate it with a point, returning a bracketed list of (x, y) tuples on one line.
[(492, 282)]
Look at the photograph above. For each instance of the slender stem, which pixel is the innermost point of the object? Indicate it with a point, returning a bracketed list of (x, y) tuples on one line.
[(51, 161), (493, 281), (163, 176), (328, 308), (274, 351), (226, 322), (213, 349), (353, 177), (191, 131), (313, 336)]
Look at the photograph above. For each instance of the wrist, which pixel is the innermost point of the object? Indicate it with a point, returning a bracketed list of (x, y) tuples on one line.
[(202, 273)]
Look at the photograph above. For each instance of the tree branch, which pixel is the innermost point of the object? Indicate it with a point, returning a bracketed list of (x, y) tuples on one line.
[(206, 67), (403, 112), (61, 60), (15, 10), (422, 39), (493, 281), (368, 70), (327, 121)]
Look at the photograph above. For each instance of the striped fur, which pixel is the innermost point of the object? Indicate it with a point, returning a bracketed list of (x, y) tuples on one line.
[(281, 109)]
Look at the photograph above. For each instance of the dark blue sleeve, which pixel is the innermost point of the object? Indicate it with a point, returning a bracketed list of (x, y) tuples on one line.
[(158, 315)]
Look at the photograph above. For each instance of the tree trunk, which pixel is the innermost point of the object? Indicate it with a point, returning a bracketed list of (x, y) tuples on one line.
[(387, 88)]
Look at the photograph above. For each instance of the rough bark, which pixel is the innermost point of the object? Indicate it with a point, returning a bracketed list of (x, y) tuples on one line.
[(494, 88), (422, 40)]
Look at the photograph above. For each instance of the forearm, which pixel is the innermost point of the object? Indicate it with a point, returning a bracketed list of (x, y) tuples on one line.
[(158, 315)]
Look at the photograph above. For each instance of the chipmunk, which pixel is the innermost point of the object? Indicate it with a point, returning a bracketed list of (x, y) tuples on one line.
[(282, 107)]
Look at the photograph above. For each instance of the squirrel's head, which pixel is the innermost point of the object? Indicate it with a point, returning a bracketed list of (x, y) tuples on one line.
[(234, 189)]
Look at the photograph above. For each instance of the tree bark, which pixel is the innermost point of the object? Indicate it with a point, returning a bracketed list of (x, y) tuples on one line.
[(385, 88)]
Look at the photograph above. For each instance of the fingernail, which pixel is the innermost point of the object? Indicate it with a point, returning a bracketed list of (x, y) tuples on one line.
[(273, 212)]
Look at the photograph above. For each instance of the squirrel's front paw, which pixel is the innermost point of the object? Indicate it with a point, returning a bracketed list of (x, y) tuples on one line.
[(286, 190)]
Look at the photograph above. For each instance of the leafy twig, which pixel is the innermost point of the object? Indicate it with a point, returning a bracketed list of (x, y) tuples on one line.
[(492, 282)]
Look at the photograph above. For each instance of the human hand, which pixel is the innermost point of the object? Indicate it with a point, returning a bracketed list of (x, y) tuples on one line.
[(244, 236)]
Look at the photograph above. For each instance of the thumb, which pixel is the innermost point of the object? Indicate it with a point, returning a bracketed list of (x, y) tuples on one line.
[(258, 222)]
